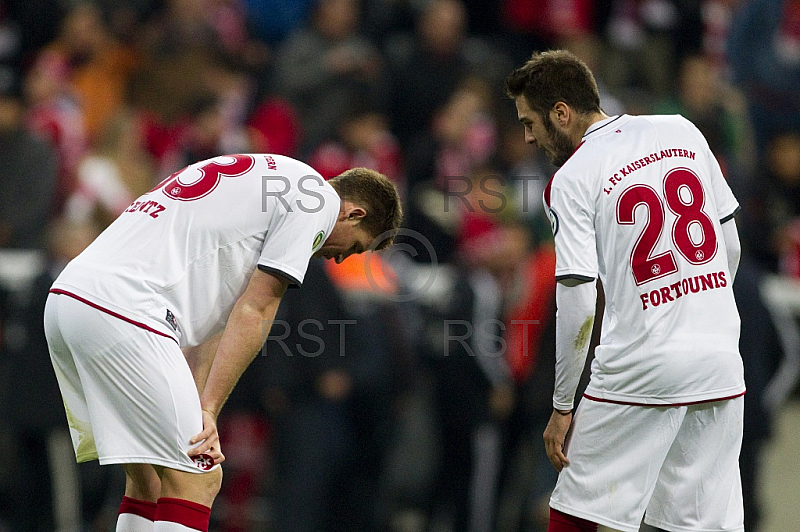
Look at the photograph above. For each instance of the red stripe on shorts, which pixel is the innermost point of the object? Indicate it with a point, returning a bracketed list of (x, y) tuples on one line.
[(111, 312), (626, 403)]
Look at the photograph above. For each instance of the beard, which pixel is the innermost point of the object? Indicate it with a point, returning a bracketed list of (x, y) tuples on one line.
[(561, 147)]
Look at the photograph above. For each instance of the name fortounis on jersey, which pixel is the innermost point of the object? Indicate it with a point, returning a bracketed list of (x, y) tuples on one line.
[(644, 161), (686, 287)]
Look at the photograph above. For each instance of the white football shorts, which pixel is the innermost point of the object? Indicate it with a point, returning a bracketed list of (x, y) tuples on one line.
[(678, 466), (128, 393)]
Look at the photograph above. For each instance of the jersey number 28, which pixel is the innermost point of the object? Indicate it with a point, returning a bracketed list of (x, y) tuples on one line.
[(693, 233)]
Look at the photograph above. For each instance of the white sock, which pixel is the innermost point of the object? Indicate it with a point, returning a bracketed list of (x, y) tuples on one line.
[(133, 523)]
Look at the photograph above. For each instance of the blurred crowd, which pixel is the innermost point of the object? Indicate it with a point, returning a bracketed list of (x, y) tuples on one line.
[(401, 391)]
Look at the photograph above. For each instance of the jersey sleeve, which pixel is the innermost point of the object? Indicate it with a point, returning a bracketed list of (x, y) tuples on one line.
[(573, 231), (295, 234)]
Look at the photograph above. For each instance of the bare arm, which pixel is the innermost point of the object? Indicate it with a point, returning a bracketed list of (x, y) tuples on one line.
[(245, 333), (236, 347)]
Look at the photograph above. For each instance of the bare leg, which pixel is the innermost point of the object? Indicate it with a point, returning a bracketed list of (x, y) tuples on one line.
[(142, 482), (201, 488), (137, 512)]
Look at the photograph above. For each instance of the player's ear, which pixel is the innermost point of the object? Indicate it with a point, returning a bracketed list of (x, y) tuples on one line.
[(561, 112), (353, 211)]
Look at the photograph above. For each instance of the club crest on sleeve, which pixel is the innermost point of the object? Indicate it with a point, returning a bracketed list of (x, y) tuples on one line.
[(318, 239), (553, 220), (203, 461)]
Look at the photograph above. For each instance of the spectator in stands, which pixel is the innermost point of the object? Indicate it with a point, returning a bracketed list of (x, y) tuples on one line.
[(762, 352), (439, 163), (426, 71), (114, 172), (541, 24), (647, 40), (55, 114), (273, 20), (772, 207), (716, 108), (28, 169), (364, 140), (193, 105), (764, 56), (325, 67), (274, 126), (215, 28), (98, 65)]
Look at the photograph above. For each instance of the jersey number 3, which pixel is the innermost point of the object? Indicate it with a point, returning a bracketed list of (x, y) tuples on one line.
[(210, 175), (693, 232)]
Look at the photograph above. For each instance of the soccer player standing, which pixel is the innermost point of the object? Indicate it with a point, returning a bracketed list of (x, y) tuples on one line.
[(150, 328), (640, 203)]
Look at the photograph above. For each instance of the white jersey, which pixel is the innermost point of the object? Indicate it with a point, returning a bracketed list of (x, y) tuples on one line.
[(180, 256), (640, 203)]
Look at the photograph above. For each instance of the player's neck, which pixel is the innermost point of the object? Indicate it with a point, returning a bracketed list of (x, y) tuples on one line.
[(592, 119), (584, 123)]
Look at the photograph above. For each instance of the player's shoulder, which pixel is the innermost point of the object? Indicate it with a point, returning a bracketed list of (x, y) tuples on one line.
[(284, 163), (675, 124), (571, 180), (298, 174), (263, 162)]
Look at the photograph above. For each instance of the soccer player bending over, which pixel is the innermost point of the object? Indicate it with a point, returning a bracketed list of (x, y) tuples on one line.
[(150, 327), (640, 203)]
